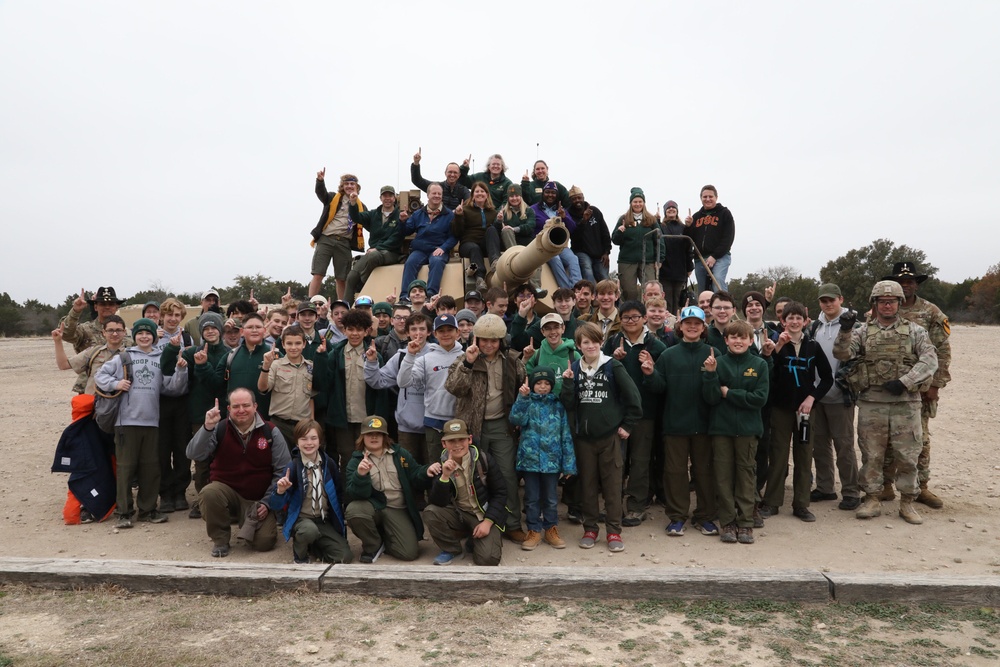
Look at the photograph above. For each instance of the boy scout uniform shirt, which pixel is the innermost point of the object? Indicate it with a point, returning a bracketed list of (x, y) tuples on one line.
[(290, 386), (341, 220), (386, 479), (82, 365), (494, 389), (462, 479), (354, 375), (306, 511)]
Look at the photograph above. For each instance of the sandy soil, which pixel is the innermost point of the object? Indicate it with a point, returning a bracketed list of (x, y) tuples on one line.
[(962, 538)]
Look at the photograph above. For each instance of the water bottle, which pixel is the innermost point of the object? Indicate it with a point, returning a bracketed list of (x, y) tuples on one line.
[(805, 432)]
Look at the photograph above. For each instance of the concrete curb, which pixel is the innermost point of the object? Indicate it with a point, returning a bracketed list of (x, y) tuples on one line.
[(480, 583)]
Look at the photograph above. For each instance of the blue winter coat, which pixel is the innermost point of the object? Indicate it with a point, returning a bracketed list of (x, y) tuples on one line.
[(546, 444), (293, 497)]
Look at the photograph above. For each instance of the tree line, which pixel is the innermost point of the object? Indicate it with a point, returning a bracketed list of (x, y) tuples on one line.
[(972, 300)]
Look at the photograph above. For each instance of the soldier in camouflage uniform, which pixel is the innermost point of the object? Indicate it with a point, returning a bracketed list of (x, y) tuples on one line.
[(895, 362), (82, 336), (926, 314)]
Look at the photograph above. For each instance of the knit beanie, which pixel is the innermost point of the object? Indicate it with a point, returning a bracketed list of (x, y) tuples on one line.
[(636, 192), (144, 324), (750, 297), (670, 204), (543, 373), (466, 315), (514, 189), (209, 320)]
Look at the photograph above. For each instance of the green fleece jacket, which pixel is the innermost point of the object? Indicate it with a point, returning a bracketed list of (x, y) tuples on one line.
[(650, 343), (738, 414), (384, 234), (412, 477), (329, 380), (556, 359), (531, 191), (201, 395), (630, 241), (242, 372), (677, 377)]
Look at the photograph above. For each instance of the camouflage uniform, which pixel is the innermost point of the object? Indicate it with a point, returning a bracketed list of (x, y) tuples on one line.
[(85, 336), (901, 351), (930, 317)]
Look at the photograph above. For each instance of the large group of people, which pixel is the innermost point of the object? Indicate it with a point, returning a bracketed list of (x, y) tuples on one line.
[(409, 418)]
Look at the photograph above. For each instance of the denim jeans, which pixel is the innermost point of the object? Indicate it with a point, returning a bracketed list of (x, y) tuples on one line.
[(720, 271), (435, 270), (565, 268), (591, 268), (540, 499)]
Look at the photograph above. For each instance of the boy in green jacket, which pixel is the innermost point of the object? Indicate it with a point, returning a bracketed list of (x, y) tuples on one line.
[(736, 386), (554, 350)]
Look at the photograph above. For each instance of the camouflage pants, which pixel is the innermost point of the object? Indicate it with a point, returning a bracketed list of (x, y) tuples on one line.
[(885, 425), (928, 410)]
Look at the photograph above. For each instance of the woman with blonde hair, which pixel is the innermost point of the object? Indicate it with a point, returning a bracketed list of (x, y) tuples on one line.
[(473, 218), (637, 232)]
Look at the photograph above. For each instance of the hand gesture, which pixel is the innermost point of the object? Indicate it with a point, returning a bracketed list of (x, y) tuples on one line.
[(269, 358), (322, 345), (472, 352), (177, 340), (466, 161), (287, 296), (783, 338), (448, 468), (403, 216), (371, 354), (365, 466), (499, 218), (525, 177), (848, 320), (353, 197), (646, 362), (770, 290), (561, 212), (80, 302), (416, 156), (524, 389), (213, 417), (201, 356), (621, 228), (253, 302), (459, 209), (588, 213), (688, 220), (768, 347), (434, 469), (285, 482), (432, 302), (711, 363), (529, 350), (160, 333), (568, 373), (181, 362), (321, 174), (526, 306), (57, 334), (620, 352)]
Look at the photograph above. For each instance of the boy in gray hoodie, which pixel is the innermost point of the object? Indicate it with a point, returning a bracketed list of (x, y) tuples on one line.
[(137, 427)]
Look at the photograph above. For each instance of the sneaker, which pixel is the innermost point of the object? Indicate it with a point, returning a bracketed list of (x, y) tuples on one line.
[(304, 560), (767, 511), (153, 517), (180, 502), (588, 540), (553, 539), (195, 512), (633, 519), (708, 528), (166, 505), (849, 504), (368, 558), (804, 514), (675, 528), (220, 551), (615, 543), (516, 535), (124, 522), (729, 533), (531, 540), (758, 520), (574, 516), (447, 558), (816, 496), (745, 536), (86, 516)]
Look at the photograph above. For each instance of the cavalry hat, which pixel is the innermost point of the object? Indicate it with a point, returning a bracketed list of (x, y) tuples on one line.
[(905, 270)]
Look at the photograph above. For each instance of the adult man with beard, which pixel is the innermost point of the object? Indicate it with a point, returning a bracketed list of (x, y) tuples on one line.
[(591, 241), (105, 303)]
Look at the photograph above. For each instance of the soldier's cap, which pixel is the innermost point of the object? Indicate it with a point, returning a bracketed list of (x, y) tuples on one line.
[(551, 318), (456, 429), (382, 308), (307, 306), (417, 283), (144, 324), (387, 188), (209, 293), (905, 270), (829, 291), (106, 295), (374, 424), (445, 321)]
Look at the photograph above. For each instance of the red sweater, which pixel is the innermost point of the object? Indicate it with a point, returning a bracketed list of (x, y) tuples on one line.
[(247, 470)]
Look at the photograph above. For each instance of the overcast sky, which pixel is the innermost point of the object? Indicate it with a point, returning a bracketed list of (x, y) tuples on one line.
[(177, 142)]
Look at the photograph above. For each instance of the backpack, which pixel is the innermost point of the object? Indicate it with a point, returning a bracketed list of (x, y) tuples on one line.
[(106, 405)]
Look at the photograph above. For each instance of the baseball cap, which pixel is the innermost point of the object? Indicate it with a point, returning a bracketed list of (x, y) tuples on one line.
[(829, 290), (307, 306), (364, 301), (445, 321), (550, 318), (387, 188), (454, 430), (319, 300), (374, 424), (693, 312), (339, 302), (209, 293), (474, 294)]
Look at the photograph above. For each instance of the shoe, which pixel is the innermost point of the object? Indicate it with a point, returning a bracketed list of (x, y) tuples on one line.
[(220, 551), (871, 508), (928, 498), (368, 558), (768, 511), (729, 533), (180, 502), (447, 558), (816, 496), (615, 543), (86, 516), (574, 516), (195, 512), (745, 536), (588, 540), (804, 514), (516, 535), (123, 522), (153, 517), (909, 512), (758, 520), (481, 285), (166, 505), (531, 540), (675, 528), (553, 539), (708, 528), (303, 561), (633, 519), (888, 493), (850, 504)]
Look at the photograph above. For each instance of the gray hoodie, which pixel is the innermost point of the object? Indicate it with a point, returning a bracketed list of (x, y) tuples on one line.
[(140, 405), (431, 370), (410, 406)]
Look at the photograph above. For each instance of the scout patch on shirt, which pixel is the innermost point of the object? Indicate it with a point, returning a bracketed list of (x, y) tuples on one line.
[(262, 443), (750, 373)]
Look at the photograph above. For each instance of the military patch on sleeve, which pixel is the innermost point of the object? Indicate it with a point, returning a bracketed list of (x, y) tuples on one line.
[(946, 325)]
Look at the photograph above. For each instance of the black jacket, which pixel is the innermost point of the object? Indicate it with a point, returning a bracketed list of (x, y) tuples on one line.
[(452, 196), (491, 495), (592, 237)]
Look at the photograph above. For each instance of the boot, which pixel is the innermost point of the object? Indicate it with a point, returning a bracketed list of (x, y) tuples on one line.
[(888, 493), (928, 498), (908, 511), (872, 507)]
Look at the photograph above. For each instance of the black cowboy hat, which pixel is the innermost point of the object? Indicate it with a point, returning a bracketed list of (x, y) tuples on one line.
[(905, 270), (105, 295)]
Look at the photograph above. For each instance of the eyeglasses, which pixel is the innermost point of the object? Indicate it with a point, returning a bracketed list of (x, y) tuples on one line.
[(886, 302), (631, 318), (399, 317)]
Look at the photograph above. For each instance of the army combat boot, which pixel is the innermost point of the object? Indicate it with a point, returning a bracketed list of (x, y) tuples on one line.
[(871, 507), (887, 493), (928, 498), (908, 511)]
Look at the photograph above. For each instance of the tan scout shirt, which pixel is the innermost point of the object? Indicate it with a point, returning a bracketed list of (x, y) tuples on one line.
[(386, 479), (494, 388), (291, 389), (354, 374), (462, 479)]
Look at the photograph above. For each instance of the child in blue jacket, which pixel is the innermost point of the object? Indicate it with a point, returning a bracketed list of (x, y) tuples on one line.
[(545, 451)]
